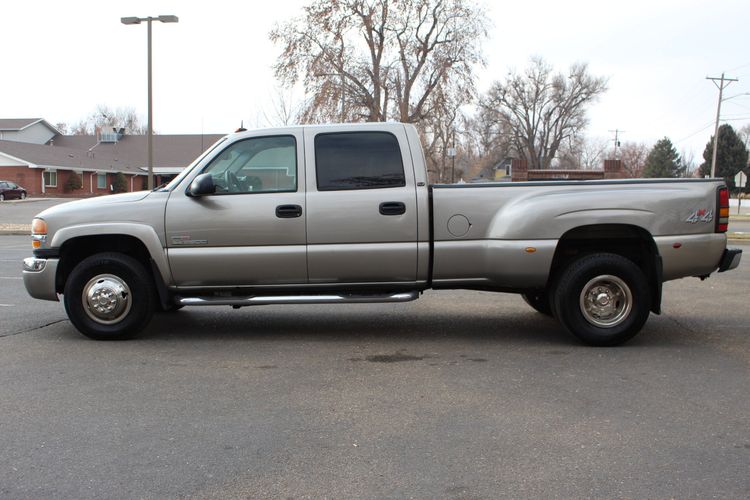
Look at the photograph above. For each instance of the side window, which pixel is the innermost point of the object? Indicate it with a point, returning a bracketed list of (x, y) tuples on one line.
[(358, 160), (257, 165), (50, 178)]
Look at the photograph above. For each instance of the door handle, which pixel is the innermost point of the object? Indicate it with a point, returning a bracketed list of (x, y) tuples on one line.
[(288, 211), (392, 208)]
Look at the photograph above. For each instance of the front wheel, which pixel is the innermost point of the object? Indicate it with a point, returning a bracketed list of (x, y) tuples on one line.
[(23, 195), (109, 296), (2, 197), (603, 299)]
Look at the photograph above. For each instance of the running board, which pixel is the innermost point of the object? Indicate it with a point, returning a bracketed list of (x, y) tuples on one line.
[(264, 300)]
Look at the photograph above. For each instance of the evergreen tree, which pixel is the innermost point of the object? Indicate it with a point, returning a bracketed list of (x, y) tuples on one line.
[(120, 184), (663, 161), (731, 155)]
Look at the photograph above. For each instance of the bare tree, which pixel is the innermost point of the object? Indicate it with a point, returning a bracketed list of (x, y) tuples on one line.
[(105, 117), (744, 134), (688, 165), (633, 156), (283, 109), (543, 109), (579, 152), (377, 60), (62, 127), (439, 133)]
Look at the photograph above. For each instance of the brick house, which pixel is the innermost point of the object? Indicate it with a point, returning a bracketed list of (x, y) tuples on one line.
[(518, 171), (36, 156)]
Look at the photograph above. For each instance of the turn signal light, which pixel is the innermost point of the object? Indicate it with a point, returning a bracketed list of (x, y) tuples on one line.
[(722, 221)]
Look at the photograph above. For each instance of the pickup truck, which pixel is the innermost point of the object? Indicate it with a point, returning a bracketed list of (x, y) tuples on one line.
[(344, 214)]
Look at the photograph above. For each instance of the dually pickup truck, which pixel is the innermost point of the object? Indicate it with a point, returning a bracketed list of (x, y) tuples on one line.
[(344, 214)]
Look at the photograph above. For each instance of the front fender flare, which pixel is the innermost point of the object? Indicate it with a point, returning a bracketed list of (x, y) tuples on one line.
[(143, 232)]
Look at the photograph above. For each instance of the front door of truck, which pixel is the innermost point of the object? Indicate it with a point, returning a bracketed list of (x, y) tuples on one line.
[(362, 206), (252, 230)]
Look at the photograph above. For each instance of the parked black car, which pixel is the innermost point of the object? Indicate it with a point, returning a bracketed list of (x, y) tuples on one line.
[(11, 190)]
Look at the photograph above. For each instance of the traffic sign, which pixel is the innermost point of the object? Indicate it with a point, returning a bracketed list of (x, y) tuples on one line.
[(740, 180)]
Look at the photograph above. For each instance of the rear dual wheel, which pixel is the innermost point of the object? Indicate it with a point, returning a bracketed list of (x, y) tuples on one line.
[(603, 299)]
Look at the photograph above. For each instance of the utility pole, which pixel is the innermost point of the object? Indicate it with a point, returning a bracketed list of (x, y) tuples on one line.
[(616, 140), (724, 83), (453, 158)]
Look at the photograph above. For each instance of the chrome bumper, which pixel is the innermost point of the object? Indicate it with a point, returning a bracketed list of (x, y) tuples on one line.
[(39, 277)]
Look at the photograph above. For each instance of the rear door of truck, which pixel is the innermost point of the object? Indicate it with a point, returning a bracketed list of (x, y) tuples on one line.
[(361, 205)]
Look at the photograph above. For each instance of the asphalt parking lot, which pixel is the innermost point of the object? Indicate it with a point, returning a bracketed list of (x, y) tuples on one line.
[(458, 395)]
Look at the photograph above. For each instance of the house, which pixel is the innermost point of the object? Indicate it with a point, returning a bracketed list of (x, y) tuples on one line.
[(36, 156), (32, 130)]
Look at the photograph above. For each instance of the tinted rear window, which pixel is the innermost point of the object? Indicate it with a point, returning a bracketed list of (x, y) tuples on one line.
[(358, 160)]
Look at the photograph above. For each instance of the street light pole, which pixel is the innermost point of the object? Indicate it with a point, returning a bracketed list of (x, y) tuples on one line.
[(150, 118), (150, 113)]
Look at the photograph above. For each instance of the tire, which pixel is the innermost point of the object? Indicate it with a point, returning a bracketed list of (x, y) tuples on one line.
[(603, 299), (23, 195), (118, 277), (538, 300), (2, 197)]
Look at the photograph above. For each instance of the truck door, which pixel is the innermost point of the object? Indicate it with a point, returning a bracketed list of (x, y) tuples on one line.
[(252, 230), (362, 206)]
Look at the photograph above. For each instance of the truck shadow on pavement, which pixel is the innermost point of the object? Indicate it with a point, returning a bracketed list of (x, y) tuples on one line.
[(355, 323)]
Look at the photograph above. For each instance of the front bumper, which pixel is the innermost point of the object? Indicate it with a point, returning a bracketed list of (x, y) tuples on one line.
[(39, 277), (730, 259)]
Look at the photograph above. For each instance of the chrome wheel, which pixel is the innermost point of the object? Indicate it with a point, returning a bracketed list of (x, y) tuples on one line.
[(106, 299), (606, 301)]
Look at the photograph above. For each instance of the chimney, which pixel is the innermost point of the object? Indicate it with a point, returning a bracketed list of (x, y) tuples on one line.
[(519, 170)]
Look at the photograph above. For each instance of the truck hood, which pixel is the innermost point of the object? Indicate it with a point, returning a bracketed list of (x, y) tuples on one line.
[(93, 203)]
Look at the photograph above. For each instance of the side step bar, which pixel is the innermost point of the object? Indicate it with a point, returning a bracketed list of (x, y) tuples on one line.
[(264, 300)]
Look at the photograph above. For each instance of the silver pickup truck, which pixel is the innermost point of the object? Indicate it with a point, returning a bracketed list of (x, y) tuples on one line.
[(344, 214)]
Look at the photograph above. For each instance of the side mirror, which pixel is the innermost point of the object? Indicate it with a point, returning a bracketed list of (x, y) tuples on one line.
[(202, 185)]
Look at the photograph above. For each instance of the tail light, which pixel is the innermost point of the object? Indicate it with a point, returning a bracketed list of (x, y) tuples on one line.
[(722, 221)]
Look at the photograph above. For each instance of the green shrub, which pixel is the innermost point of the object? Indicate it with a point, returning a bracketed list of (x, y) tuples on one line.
[(73, 183), (120, 184)]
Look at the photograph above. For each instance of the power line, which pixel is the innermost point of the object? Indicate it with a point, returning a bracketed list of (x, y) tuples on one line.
[(696, 132), (740, 67), (724, 83)]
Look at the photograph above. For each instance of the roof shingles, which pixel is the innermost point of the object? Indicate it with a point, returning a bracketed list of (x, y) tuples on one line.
[(127, 155)]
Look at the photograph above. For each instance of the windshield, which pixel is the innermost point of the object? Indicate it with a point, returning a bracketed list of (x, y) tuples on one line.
[(173, 183)]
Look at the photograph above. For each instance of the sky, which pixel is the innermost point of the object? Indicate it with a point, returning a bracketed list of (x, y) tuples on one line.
[(213, 69)]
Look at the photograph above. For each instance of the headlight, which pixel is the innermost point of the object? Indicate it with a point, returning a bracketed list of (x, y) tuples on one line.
[(38, 232)]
